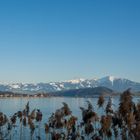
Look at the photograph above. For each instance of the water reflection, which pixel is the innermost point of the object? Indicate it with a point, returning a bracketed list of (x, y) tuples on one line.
[(49, 105)]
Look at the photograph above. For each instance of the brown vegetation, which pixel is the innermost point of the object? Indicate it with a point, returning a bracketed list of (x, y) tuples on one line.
[(123, 123)]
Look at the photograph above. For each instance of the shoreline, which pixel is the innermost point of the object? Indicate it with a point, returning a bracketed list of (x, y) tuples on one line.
[(56, 97)]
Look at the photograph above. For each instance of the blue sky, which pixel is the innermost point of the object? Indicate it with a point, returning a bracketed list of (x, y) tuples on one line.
[(56, 40)]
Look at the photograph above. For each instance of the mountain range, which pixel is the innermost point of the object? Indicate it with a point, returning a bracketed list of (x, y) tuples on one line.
[(113, 83), (85, 92)]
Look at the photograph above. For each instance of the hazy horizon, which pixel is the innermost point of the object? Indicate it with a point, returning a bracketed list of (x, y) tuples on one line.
[(67, 80), (44, 41)]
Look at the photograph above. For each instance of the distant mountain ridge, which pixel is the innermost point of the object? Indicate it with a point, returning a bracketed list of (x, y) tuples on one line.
[(85, 92), (113, 83)]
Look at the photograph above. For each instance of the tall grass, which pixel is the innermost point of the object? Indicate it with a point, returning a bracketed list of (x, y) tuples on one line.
[(122, 123)]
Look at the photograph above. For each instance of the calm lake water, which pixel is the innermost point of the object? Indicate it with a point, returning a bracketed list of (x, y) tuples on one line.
[(49, 105)]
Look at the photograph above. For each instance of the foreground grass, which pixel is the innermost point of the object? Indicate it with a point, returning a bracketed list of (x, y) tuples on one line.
[(123, 123)]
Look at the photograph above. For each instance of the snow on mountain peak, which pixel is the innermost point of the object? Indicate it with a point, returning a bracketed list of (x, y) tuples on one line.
[(111, 78), (107, 79), (15, 86), (116, 84), (76, 81)]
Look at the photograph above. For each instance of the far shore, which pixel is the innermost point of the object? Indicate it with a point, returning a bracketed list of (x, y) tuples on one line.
[(41, 97)]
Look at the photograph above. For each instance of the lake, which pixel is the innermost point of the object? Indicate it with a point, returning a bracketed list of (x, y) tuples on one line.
[(47, 106), (50, 105)]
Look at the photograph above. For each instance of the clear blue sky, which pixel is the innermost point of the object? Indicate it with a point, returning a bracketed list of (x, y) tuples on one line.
[(56, 40)]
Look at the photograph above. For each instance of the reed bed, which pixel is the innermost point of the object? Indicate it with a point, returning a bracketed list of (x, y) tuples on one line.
[(122, 123)]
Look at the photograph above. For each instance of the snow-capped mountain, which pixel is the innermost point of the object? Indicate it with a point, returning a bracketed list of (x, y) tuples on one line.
[(116, 84)]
